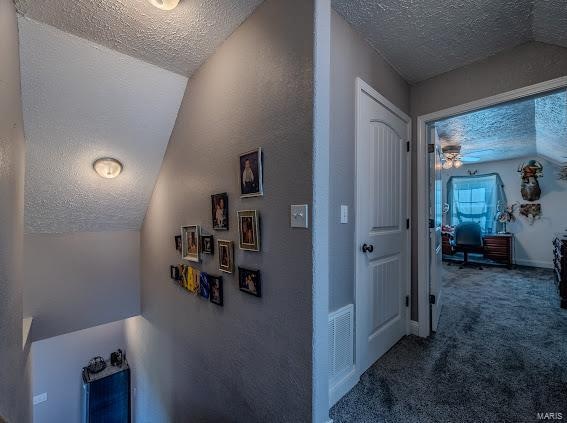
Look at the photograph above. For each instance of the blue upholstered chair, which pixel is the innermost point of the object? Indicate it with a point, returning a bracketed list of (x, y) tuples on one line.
[(468, 239)]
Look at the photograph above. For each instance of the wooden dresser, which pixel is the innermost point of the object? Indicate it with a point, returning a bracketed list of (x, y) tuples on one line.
[(500, 248), (560, 265)]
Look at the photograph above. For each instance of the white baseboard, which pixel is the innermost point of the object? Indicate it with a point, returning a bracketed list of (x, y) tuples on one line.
[(414, 327), (535, 263), (343, 386)]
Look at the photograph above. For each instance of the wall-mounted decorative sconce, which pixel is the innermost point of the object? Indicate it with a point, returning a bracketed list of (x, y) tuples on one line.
[(107, 167), (165, 4)]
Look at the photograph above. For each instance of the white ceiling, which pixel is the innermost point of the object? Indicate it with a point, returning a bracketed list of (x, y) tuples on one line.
[(179, 40), (425, 38), (82, 101), (518, 129)]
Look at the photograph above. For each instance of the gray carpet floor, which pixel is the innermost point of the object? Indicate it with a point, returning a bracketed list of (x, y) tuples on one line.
[(500, 355)]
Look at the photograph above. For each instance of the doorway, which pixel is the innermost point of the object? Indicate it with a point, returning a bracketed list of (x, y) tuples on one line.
[(429, 273), (382, 236)]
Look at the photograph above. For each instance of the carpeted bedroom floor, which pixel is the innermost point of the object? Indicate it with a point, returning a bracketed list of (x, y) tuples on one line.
[(500, 355)]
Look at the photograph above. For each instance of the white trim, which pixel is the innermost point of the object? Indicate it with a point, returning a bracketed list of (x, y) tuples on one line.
[(363, 88), (413, 327), (534, 263), (343, 386), (423, 181), (320, 211)]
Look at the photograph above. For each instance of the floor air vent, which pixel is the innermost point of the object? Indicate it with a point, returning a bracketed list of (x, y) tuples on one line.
[(341, 345)]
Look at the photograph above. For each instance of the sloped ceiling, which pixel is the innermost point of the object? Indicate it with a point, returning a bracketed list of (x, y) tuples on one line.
[(531, 126), (179, 40), (425, 38), (82, 101)]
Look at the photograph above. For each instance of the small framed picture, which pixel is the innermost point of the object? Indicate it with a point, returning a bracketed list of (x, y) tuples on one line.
[(190, 247), (249, 281), (174, 273), (215, 283), (178, 243), (248, 230), (219, 203), (204, 285), (251, 184), (226, 256), (207, 244)]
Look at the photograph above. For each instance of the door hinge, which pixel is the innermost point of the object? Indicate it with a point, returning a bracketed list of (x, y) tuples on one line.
[(407, 300), (431, 148), (432, 299), (407, 146), (407, 223)]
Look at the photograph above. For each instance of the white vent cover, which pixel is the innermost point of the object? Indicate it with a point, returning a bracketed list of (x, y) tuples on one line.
[(341, 343)]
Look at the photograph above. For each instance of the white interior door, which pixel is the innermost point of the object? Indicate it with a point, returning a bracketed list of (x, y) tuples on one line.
[(382, 266), (436, 219)]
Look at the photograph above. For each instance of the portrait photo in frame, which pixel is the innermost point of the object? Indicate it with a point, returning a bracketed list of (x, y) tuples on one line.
[(219, 209), (190, 243), (226, 255), (216, 294), (248, 230), (251, 176), (249, 281)]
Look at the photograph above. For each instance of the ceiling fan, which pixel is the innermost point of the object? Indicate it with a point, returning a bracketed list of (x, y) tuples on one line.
[(451, 157)]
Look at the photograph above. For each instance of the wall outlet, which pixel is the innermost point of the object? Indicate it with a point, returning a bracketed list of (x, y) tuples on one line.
[(344, 214), (39, 398)]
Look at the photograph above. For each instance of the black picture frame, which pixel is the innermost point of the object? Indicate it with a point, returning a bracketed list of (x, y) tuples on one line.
[(178, 243), (251, 174), (214, 296), (174, 273), (219, 211), (207, 244), (246, 277)]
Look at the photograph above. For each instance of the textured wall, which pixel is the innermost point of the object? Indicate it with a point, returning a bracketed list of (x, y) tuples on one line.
[(78, 280), (14, 402), (57, 364), (515, 68), (351, 57), (82, 102), (251, 359), (178, 40), (532, 242)]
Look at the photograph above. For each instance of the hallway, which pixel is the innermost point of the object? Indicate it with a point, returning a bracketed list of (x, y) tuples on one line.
[(500, 355)]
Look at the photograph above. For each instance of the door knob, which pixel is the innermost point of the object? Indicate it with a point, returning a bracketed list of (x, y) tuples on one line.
[(367, 248)]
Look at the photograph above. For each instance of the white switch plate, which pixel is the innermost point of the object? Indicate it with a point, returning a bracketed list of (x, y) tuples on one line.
[(39, 398), (299, 218), (344, 214)]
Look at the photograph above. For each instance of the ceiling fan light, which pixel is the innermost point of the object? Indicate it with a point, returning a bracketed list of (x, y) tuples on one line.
[(458, 163), (448, 164)]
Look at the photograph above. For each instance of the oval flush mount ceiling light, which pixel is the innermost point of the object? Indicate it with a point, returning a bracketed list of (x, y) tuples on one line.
[(107, 167), (165, 4)]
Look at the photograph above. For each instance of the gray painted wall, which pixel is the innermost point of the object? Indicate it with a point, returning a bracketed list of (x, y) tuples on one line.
[(57, 364), (14, 386), (251, 359), (77, 280), (521, 66), (351, 57)]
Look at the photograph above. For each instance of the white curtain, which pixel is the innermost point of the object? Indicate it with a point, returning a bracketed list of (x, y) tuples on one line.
[(475, 199)]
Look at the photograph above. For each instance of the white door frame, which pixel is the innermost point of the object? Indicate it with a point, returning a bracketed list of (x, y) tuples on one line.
[(423, 181), (362, 89)]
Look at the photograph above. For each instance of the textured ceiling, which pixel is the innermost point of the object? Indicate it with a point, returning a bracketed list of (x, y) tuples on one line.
[(179, 40), (535, 125), (425, 38), (82, 101)]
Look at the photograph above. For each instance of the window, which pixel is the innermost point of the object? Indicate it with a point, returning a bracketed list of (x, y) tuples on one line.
[(475, 199)]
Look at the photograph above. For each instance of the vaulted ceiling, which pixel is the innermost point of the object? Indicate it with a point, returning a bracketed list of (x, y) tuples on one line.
[(425, 38), (519, 129), (179, 40)]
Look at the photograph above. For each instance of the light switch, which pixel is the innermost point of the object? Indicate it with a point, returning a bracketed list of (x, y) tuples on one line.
[(344, 214), (299, 217)]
